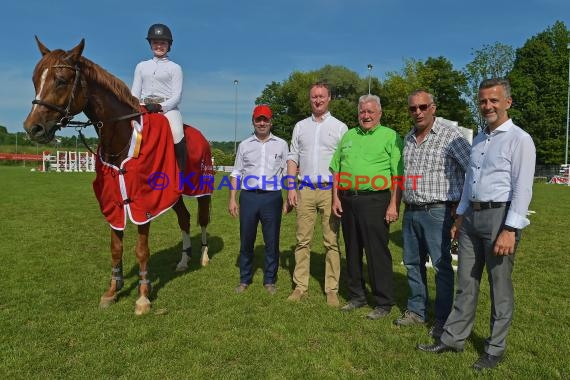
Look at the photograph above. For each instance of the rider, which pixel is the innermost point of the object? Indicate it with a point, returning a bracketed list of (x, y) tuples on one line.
[(158, 85)]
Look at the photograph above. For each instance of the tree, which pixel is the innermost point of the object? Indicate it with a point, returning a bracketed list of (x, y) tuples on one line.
[(447, 86), (435, 75), (223, 158), (491, 61), (539, 89), (289, 100)]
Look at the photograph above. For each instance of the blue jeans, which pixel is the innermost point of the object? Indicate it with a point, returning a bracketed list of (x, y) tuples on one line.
[(254, 208), (427, 232)]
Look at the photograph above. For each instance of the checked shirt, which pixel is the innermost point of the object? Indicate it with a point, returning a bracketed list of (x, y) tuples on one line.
[(439, 164)]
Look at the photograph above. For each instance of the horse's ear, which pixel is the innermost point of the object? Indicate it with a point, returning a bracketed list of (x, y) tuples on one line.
[(44, 50), (75, 53)]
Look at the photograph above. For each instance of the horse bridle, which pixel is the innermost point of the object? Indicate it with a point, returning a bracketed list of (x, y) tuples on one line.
[(67, 119), (67, 116)]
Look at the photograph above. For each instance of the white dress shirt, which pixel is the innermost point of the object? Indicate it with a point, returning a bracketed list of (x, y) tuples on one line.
[(313, 144), (501, 169), (260, 164), (159, 77)]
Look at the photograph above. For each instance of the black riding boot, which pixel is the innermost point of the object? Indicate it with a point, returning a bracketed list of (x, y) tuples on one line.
[(181, 154)]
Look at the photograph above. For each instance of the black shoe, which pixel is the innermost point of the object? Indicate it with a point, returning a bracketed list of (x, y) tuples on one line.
[(487, 361), (351, 305), (437, 348)]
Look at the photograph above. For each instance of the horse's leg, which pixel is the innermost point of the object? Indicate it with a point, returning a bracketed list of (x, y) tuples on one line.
[(110, 296), (184, 223), (143, 253), (203, 220)]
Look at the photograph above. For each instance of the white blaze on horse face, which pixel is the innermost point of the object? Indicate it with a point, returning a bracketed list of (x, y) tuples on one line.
[(42, 82)]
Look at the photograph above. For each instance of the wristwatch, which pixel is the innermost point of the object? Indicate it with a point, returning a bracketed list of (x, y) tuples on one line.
[(509, 228)]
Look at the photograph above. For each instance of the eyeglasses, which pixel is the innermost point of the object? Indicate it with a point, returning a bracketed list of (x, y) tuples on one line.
[(422, 107)]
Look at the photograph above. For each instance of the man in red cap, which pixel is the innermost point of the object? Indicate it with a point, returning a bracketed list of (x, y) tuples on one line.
[(258, 169)]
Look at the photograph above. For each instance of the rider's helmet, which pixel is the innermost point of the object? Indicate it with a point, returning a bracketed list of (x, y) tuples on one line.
[(159, 32)]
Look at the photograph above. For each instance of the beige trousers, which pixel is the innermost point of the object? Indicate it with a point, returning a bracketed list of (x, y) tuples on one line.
[(311, 203)]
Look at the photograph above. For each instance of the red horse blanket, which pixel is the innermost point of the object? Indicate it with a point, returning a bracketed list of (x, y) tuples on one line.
[(199, 174), (148, 182)]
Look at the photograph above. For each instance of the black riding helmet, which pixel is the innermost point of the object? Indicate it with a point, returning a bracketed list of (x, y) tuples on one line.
[(159, 32)]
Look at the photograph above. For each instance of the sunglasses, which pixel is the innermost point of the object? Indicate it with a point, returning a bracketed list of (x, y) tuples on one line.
[(422, 107)]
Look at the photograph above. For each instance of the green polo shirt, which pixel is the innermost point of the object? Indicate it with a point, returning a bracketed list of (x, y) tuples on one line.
[(367, 160)]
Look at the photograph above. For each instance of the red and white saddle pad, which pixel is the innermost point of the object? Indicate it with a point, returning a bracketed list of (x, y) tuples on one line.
[(147, 182)]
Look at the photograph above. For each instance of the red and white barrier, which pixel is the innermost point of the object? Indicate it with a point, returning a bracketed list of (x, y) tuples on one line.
[(64, 161)]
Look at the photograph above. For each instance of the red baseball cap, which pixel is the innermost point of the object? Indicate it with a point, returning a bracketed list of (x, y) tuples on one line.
[(262, 110)]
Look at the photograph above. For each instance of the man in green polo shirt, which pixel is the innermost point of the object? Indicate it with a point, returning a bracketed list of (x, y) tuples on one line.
[(364, 165)]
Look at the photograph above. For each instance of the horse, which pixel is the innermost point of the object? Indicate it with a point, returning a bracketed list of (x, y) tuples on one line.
[(66, 84)]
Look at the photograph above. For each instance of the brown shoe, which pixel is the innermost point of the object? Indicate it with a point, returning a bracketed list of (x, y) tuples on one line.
[(297, 295), (241, 288), (332, 299), (271, 289), (409, 318)]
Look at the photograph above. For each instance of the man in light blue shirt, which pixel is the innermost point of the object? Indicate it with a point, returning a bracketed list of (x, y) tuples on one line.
[(492, 211)]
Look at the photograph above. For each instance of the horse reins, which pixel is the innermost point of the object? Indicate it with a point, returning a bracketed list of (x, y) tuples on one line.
[(67, 119)]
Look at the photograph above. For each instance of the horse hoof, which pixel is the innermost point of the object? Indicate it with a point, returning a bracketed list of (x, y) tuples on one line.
[(181, 267), (142, 306), (205, 259), (105, 301)]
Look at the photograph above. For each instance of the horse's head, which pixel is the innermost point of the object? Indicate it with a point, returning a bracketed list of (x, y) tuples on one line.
[(61, 92)]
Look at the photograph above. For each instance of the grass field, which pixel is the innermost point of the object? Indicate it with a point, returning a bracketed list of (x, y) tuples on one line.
[(55, 264)]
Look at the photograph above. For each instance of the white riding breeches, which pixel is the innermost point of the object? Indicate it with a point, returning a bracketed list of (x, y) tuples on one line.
[(176, 126)]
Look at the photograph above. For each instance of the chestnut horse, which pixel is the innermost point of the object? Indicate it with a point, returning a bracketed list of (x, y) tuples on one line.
[(66, 84)]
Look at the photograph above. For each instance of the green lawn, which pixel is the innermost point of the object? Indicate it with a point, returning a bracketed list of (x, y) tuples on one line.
[(56, 264)]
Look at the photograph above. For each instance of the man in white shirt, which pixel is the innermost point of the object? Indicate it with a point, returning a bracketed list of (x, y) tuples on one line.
[(313, 143), (258, 171), (491, 213)]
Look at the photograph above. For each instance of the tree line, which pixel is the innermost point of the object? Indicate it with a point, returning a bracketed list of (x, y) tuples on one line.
[(538, 73)]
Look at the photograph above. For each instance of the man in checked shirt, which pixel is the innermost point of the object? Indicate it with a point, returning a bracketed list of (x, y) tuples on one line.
[(435, 151)]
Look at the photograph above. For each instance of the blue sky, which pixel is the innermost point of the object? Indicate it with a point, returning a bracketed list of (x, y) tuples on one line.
[(255, 42)]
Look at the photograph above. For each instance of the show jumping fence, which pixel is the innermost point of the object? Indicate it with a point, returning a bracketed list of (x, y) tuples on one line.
[(68, 161)]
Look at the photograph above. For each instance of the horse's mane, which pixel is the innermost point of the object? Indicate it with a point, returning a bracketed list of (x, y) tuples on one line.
[(96, 73), (109, 81)]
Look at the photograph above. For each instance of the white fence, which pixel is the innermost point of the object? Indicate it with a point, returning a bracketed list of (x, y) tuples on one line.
[(64, 161)]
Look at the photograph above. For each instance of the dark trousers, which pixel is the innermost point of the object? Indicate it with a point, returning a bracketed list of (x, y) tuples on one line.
[(255, 207), (365, 230)]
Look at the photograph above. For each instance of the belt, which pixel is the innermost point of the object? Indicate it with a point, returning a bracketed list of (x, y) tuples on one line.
[(353, 193), (258, 191), (154, 100), (478, 206), (318, 185), (426, 206)]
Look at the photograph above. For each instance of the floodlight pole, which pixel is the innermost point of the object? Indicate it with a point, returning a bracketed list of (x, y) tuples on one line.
[(369, 78), (236, 82), (567, 109)]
